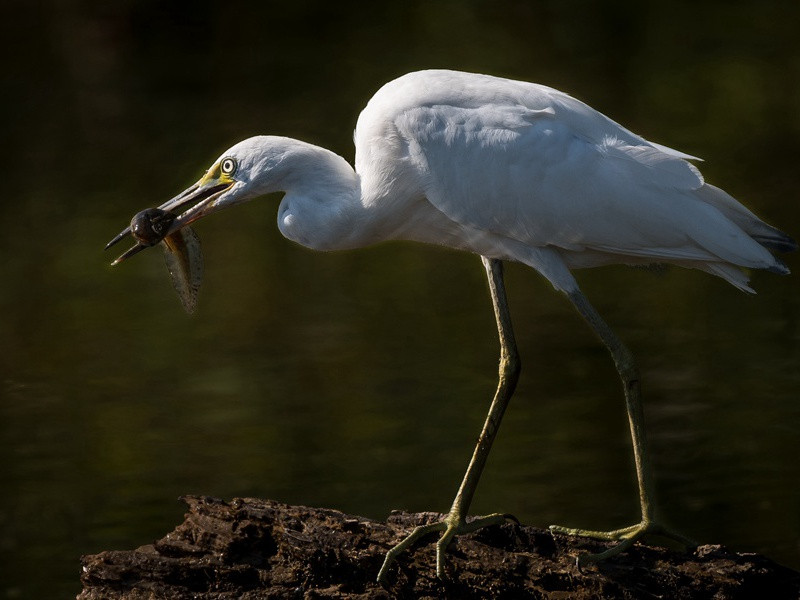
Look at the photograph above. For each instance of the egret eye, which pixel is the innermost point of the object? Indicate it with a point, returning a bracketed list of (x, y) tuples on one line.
[(228, 166)]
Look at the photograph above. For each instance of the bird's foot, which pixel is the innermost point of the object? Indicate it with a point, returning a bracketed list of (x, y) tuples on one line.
[(626, 537), (451, 526)]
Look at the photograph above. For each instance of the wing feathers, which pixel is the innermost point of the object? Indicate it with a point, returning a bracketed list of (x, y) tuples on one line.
[(545, 170), (668, 170)]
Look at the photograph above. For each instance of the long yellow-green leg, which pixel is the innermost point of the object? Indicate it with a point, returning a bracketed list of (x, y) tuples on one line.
[(455, 522), (629, 373)]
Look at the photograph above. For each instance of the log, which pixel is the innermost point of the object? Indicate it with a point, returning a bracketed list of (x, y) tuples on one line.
[(252, 549)]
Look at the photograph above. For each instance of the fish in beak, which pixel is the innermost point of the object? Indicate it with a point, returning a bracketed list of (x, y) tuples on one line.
[(168, 225), (152, 225)]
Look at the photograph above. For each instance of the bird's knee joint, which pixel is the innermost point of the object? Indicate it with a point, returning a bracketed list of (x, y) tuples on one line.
[(510, 366), (630, 372), (626, 365)]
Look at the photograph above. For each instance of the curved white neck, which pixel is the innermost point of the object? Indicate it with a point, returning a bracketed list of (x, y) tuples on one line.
[(321, 205), (325, 206)]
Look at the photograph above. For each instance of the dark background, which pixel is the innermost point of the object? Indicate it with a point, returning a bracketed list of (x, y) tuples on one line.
[(359, 380)]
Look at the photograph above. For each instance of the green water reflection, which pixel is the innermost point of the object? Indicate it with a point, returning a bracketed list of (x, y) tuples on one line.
[(359, 380)]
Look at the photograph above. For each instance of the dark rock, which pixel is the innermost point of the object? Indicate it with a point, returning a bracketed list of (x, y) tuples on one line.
[(249, 548)]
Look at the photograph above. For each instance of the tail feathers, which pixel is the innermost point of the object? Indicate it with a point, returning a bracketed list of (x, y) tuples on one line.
[(779, 267), (766, 235), (776, 240), (729, 273)]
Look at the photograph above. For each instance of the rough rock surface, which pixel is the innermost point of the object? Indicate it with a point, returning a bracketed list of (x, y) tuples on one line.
[(249, 548)]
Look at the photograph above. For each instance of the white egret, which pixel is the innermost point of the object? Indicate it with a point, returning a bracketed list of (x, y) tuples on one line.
[(507, 170)]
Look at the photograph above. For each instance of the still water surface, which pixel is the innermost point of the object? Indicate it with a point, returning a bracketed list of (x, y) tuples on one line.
[(359, 380)]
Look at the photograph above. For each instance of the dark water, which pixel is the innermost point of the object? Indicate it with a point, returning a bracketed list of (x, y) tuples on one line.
[(359, 380)]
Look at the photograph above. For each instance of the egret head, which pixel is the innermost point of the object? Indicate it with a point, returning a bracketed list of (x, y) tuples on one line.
[(320, 187), (231, 179)]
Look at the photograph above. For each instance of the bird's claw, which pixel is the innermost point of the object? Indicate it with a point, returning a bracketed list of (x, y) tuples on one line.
[(626, 537), (450, 526)]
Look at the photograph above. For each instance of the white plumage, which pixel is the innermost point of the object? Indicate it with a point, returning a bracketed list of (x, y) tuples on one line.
[(510, 171), (527, 173)]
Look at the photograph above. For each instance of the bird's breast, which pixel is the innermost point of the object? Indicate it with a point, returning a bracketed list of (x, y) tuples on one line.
[(291, 226), (317, 224)]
